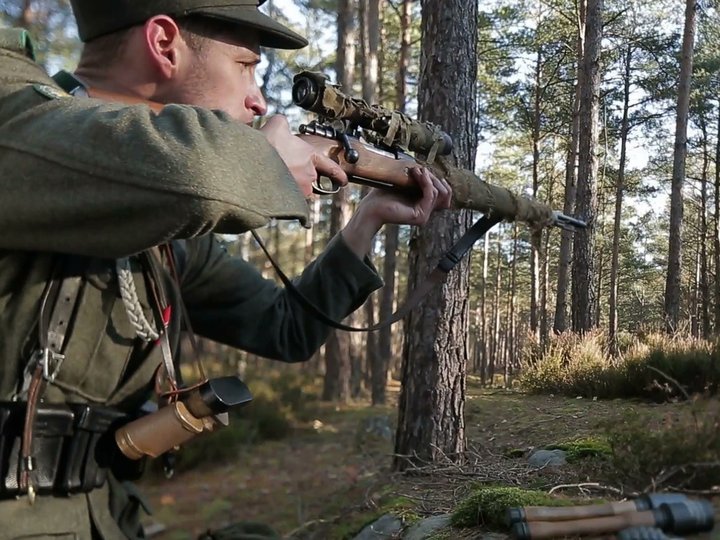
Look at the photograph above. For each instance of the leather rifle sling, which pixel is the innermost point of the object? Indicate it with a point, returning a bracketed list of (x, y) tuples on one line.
[(437, 276)]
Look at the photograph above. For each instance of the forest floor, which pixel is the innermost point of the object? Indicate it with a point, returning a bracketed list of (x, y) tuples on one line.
[(327, 479)]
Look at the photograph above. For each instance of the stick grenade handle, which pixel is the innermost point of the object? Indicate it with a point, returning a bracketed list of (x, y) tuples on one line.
[(563, 513), (536, 530), (683, 517)]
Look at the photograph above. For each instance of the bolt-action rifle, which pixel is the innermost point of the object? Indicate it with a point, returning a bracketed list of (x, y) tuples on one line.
[(372, 145)]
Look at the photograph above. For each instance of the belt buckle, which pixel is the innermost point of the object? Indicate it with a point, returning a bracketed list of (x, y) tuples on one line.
[(50, 362)]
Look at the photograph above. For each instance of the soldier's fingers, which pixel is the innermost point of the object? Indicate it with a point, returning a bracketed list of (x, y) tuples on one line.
[(429, 190), (327, 167), (444, 191)]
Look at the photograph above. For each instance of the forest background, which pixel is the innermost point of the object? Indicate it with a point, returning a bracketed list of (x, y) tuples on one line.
[(608, 110)]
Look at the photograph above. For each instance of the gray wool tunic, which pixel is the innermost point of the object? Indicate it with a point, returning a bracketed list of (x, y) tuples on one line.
[(89, 178)]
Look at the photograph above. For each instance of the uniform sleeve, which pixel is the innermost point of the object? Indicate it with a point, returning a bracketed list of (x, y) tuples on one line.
[(87, 177), (230, 302)]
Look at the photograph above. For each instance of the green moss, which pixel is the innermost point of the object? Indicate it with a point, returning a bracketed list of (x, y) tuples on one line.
[(351, 523), (487, 505), (582, 448), (403, 508), (514, 453)]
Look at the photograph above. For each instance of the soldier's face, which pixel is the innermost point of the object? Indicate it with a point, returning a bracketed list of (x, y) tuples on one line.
[(221, 75)]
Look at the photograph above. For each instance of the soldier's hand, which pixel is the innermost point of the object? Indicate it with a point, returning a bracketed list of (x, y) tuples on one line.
[(388, 207), (304, 163), (380, 207)]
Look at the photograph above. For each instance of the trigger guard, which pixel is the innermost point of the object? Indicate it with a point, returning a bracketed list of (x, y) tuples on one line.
[(318, 189)]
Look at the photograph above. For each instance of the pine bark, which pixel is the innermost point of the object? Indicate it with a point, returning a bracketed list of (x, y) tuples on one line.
[(338, 348), (566, 240), (619, 193), (387, 299), (431, 421), (703, 284), (716, 232), (674, 269), (536, 237), (583, 268)]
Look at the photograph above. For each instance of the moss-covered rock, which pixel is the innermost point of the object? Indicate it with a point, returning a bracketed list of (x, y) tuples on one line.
[(582, 448), (487, 505)]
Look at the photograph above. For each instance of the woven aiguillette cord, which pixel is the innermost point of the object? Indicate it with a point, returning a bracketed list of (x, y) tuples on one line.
[(437, 276)]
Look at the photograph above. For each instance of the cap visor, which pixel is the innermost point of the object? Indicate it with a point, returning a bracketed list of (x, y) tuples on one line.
[(271, 33)]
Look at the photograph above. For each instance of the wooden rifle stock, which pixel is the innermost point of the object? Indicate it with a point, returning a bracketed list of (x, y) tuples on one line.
[(374, 167), (389, 170)]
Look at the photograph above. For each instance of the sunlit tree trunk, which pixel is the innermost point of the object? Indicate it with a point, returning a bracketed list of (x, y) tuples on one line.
[(431, 421), (484, 334), (583, 268), (495, 352), (26, 17), (536, 238), (338, 370), (512, 326), (566, 239), (370, 44), (716, 224), (704, 286), (387, 300), (674, 269), (619, 193)]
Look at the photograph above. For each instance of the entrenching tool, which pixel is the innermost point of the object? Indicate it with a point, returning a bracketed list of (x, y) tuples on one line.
[(678, 517), (563, 513)]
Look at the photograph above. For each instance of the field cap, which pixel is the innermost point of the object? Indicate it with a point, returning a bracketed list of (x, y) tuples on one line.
[(96, 18)]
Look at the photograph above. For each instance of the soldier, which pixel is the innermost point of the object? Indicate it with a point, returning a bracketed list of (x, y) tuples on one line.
[(107, 214)]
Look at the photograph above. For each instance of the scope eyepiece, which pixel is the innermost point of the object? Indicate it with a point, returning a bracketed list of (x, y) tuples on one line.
[(305, 92)]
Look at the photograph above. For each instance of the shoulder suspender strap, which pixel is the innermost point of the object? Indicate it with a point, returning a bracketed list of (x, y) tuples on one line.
[(57, 308)]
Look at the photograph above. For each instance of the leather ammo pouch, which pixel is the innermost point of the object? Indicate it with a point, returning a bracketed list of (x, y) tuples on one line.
[(70, 449)]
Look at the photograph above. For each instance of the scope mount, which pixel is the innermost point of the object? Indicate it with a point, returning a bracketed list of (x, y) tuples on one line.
[(329, 132)]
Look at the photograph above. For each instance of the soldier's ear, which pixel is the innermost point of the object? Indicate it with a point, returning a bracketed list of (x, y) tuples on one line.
[(164, 45)]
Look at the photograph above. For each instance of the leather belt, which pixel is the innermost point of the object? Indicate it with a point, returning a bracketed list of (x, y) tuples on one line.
[(72, 447)]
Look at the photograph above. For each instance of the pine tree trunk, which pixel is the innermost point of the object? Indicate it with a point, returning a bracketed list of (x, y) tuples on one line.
[(619, 193), (536, 238), (370, 43), (494, 359), (387, 300), (674, 270), (566, 239), (27, 16), (544, 287), (716, 224), (484, 311), (431, 421), (583, 275), (511, 307), (704, 285), (338, 364)]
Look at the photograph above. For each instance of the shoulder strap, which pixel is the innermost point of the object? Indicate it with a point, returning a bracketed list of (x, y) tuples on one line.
[(17, 40), (57, 308)]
